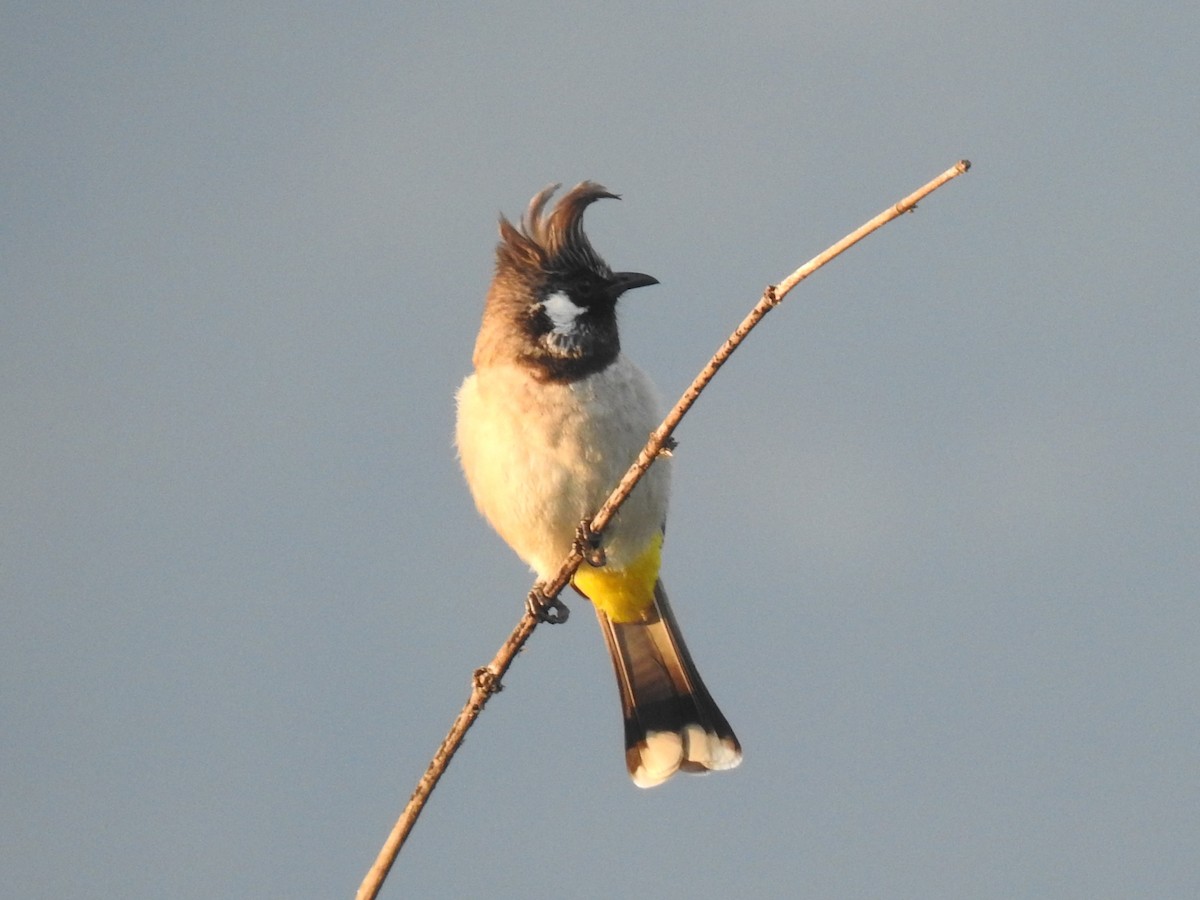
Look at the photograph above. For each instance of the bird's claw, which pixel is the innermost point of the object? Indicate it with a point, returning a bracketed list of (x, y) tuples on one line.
[(587, 542), (550, 610)]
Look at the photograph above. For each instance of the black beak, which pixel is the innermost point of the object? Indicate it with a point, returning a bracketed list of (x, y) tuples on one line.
[(627, 281)]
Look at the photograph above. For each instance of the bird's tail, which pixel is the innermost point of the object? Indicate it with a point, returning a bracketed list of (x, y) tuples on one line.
[(671, 721)]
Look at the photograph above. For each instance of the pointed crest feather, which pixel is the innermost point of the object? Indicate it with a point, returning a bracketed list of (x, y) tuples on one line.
[(554, 241)]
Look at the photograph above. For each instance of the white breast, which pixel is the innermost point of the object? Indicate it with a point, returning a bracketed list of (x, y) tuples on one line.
[(540, 456)]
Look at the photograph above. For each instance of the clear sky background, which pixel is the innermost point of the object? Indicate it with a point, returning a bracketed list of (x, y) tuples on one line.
[(936, 527)]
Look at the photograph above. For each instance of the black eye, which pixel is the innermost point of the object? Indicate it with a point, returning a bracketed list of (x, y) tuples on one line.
[(587, 292)]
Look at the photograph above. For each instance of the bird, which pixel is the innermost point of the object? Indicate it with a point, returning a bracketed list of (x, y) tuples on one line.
[(547, 424)]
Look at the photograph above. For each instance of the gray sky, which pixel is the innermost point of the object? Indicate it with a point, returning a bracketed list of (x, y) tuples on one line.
[(935, 534)]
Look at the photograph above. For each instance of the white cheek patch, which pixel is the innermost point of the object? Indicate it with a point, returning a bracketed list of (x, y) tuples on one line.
[(562, 312)]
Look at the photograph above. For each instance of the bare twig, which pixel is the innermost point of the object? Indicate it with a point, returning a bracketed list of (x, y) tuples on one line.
[(487, 680)]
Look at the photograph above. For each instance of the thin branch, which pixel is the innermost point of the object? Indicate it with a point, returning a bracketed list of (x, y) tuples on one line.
[(487, 680)]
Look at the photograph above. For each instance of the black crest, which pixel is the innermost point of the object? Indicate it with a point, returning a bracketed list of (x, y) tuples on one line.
[(554, 243)]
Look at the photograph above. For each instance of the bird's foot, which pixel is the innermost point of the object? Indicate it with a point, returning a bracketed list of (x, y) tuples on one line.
[(550, 610), (587, 542)]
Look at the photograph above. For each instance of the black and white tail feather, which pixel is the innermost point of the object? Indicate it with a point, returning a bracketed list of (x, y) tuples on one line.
[(672, 723)]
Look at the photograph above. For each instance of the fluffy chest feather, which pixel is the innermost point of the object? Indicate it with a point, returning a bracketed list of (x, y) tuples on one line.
[(540, 456)]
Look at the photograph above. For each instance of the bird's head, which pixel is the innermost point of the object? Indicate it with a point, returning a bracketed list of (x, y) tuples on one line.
[(552, 303)]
